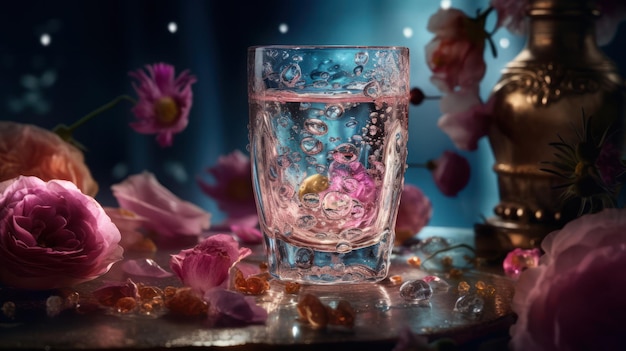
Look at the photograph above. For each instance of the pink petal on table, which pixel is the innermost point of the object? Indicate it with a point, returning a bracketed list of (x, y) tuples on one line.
[(145, 267)]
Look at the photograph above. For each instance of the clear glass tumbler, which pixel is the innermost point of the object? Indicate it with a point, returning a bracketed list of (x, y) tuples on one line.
[(328, 139)]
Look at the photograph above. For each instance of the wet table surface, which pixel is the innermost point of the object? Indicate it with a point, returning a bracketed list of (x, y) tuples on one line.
[(382, 314)]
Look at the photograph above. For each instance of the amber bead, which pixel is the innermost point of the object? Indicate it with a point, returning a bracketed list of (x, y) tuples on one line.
[(463, 287), (313, 311), (395, 279), (126, 304), (342, 315), (186, 303), (292, 287), (414, 261), (256, 285)]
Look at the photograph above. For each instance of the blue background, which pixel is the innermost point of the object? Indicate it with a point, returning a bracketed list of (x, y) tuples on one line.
[(94, 44)]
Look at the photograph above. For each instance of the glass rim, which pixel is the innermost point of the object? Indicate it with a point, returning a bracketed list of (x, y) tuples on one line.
[(329, 46)]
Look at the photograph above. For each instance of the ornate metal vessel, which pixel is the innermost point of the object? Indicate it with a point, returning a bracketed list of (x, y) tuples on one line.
[(540, 97)]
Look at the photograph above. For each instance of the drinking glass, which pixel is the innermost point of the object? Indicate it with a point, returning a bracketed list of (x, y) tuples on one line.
[(328, 139)]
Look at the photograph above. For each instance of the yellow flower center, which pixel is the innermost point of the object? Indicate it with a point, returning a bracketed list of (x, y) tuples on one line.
[(166, 110)]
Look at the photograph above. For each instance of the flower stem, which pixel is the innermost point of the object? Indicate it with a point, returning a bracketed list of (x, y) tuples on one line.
[(99, 110), (65, 132)]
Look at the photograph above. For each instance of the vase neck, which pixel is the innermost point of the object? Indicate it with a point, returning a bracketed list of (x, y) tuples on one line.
[(563, 28)]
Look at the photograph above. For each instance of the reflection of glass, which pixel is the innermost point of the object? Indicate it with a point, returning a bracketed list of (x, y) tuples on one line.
[(328, 136)]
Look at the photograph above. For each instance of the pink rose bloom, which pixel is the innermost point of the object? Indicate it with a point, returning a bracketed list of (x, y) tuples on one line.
[(465, 119), (232, 189), (354, 180), (32, 151), (164, 101), (414, 213), (455, 54), (207, 265), (52, 235), (232, 309), (451, 172), (574, 299), (169, 217)]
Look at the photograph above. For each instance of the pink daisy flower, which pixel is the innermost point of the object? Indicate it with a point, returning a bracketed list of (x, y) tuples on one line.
[(164, 101)]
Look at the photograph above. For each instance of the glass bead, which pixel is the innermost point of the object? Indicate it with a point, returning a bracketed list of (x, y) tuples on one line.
[(480, 285), (149, 292), (437, 284), (518, 260), (416, 290), (470, 303)]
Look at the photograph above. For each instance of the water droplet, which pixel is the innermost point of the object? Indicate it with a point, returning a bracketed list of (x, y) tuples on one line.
[(315, 126), (345, 153), (361, 58), (54, 305), (304, 258), (336, 205), (311, 146), (333, 111), (343, 247), (470, 303), (416, 290)]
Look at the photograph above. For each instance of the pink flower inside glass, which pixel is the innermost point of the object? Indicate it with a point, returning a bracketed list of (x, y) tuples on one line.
[(164, 101)]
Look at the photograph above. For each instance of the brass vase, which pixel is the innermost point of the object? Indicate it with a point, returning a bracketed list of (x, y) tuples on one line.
[(541, 96)]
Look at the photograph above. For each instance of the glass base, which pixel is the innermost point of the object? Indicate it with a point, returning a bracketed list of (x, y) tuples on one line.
[(309, 266)]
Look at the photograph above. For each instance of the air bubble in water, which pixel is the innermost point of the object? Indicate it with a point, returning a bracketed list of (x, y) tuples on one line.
[(311, 146), (291, 75), (372, 89), (345, 153), (311, 200), (333, 111), (351, 235), (361, 58), (357, 70), (336, 205), (315, 126)]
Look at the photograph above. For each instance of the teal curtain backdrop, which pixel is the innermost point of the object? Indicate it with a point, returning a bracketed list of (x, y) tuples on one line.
[(60, 60)]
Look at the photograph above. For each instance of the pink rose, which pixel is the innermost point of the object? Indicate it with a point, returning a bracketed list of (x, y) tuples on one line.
[(465, 119), (232, 189), (455, 54), (414, 213), (32, 151), (52, 235), (169, 217), (574, 299), (451, 172), (207, 265)]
